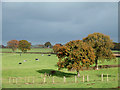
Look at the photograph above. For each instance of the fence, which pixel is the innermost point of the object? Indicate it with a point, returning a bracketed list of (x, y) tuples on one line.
[(43, 79)]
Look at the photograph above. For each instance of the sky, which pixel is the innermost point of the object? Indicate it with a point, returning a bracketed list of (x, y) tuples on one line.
[(60, 22)]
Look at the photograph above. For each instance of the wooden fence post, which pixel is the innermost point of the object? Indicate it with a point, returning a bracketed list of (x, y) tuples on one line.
[(75, 79), (64, 79), (13, 79), (107, 77), (83, 78), (87, 78), (16, 80), (53, 79), (102, 77), (45, 74), (44, 79)]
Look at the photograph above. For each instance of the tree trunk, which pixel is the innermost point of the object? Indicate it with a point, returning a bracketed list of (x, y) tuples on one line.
[(13, 49), (78, 74), (96, 62)]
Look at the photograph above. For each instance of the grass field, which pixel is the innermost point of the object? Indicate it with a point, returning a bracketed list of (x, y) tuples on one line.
[(36, 69), (32, 50), (115, 50), (36, 50)]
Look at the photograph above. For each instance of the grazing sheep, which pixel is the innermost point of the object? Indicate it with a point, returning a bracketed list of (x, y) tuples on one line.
[(37, 59), (25, 60), (20, 63)]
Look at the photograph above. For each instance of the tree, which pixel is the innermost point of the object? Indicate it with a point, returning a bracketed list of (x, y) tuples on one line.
[(24, 45), (48, 44), (101, 44), (13, 44), (75, 55), (2, 46), (56, 47)]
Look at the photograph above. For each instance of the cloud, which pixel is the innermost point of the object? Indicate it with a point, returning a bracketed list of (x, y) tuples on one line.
[(58, 22)]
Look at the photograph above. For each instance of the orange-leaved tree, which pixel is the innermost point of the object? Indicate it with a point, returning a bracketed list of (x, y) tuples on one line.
[(24, 45), (56, 47), (13, 44), (102, 45), (75, 55)]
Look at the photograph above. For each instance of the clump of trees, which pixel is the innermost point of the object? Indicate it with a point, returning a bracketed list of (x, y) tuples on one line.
[(48, 44), (102, 45), (24, 45), (75, 55), (13, 44)]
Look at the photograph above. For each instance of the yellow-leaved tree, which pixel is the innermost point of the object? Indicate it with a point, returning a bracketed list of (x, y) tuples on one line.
[(102, 45), (24, 45)]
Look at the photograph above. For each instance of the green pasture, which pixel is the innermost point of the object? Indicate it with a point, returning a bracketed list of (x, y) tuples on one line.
[(32, 50), (36, 69), (36, 50), (115, 50)]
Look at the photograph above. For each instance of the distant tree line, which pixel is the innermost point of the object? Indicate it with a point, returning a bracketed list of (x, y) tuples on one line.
[(24, 45), (46, 45), (116, 46)]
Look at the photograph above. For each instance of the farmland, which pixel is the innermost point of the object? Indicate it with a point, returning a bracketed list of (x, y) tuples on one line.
[(32, 68)]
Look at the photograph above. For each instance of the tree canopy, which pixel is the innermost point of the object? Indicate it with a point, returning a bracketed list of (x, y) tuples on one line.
[(48, 44), (101, 44), (24, 45), (13, 44), (56, 47), (75, 55)]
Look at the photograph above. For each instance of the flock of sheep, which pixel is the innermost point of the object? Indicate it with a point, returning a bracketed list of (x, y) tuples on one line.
[(35, 59)]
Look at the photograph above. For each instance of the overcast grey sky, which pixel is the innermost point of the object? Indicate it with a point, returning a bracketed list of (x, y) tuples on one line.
[(59, 22)]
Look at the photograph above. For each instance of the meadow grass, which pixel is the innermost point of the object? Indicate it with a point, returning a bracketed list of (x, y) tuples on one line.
[(36, 50), (37, 69), (115, 50), (32, 50)]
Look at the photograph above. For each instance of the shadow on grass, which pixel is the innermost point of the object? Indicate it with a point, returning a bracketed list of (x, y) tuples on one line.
[(106, 75), (57, 73)]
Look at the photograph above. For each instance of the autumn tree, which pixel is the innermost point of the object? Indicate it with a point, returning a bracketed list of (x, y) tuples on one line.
[(101, 44), (56, 47), (13, 44), (48, 44), (24, 45), (75, 55)]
